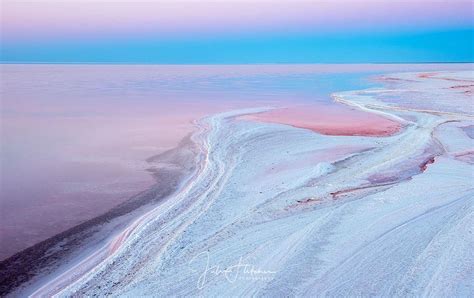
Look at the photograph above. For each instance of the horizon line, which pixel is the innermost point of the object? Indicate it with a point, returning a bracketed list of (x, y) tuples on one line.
[(217, 64)]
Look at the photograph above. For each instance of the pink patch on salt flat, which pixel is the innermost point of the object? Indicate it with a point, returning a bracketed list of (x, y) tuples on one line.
[(330, 120), (427, 75)]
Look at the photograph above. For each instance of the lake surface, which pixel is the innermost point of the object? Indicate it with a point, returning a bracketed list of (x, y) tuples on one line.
[(74, 138)]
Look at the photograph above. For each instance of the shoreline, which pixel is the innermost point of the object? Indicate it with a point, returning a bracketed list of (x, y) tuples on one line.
[(169, 169), (234, 210), (378, 160)]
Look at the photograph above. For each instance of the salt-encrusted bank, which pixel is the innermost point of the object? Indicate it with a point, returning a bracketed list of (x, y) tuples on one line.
[(277, 210)]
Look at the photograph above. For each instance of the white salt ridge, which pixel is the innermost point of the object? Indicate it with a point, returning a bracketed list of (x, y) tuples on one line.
[(308, 221)]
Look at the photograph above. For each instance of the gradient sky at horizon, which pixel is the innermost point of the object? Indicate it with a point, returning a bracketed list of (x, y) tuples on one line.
[(227, 32)]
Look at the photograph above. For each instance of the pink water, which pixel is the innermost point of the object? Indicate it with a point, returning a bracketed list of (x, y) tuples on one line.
[(335, 120)]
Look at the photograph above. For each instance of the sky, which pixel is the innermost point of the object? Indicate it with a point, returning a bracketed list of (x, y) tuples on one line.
[(235, 32)]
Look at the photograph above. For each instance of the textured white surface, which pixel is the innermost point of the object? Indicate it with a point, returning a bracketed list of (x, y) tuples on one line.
[(287, 211)]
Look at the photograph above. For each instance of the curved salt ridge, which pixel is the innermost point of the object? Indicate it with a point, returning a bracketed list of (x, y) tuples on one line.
[(319, 215)]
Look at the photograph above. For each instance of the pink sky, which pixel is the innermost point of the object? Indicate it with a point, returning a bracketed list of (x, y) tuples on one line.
[(51, 19)]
